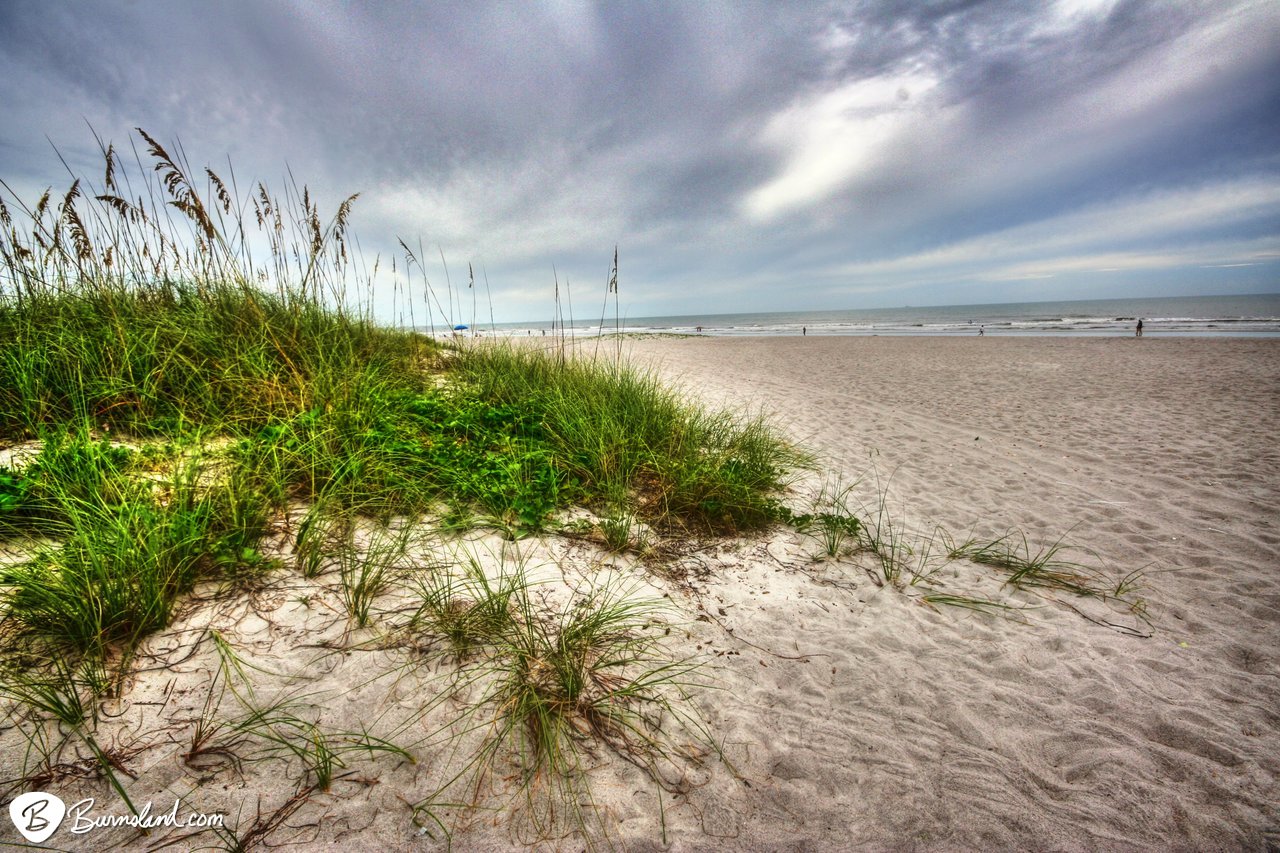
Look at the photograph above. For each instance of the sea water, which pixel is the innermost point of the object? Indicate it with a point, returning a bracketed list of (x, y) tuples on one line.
[(1255, 316)]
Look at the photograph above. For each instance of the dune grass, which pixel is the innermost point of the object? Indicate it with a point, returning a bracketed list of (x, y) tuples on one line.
[(195, 361), (123, 549), (623, 436), (467, 609), (830, 520), (161, 359), (548, 686), (278, 727)]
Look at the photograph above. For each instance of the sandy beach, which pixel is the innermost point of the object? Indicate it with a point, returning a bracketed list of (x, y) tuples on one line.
[(947, 730), (852, 713)]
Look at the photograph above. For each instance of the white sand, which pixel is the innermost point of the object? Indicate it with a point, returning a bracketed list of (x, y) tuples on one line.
[(856, 716), (948, 730)]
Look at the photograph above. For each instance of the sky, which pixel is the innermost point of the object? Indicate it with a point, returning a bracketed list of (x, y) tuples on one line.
[(741, 156)]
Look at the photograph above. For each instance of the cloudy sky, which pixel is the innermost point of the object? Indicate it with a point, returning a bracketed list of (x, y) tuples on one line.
[(741, 156)]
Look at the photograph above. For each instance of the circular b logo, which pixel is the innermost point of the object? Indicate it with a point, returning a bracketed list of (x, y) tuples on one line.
[(37, 815)]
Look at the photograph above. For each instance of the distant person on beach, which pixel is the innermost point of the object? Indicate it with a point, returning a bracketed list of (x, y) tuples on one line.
[(1139, 329), (982, 330), (804, 331)]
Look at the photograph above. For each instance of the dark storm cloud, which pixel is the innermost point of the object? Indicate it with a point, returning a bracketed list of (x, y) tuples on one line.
[(864, 152)]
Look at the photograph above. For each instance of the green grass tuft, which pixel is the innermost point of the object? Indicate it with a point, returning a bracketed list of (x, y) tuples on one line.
[(556, 684), (616, 431)]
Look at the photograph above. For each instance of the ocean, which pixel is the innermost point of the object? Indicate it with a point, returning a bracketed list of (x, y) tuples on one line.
[(1255, 316)]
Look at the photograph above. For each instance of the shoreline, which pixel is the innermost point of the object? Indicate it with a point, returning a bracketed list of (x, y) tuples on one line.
[(590, 333), (1243, 315)]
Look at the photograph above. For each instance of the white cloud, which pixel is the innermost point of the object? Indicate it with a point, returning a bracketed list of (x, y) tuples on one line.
[(830, 137), (1068, 14)]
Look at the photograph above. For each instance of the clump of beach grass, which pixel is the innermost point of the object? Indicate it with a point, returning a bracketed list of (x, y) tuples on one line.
[(617, 430), (468, 609), (121, 555), (617, 528), (280, 727), (905, 558), (556, 683), (830, 519), (54, 706), (369, 560), (1028, 568)]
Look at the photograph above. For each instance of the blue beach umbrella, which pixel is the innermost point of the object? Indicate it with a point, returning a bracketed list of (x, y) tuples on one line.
[(460, 327)]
